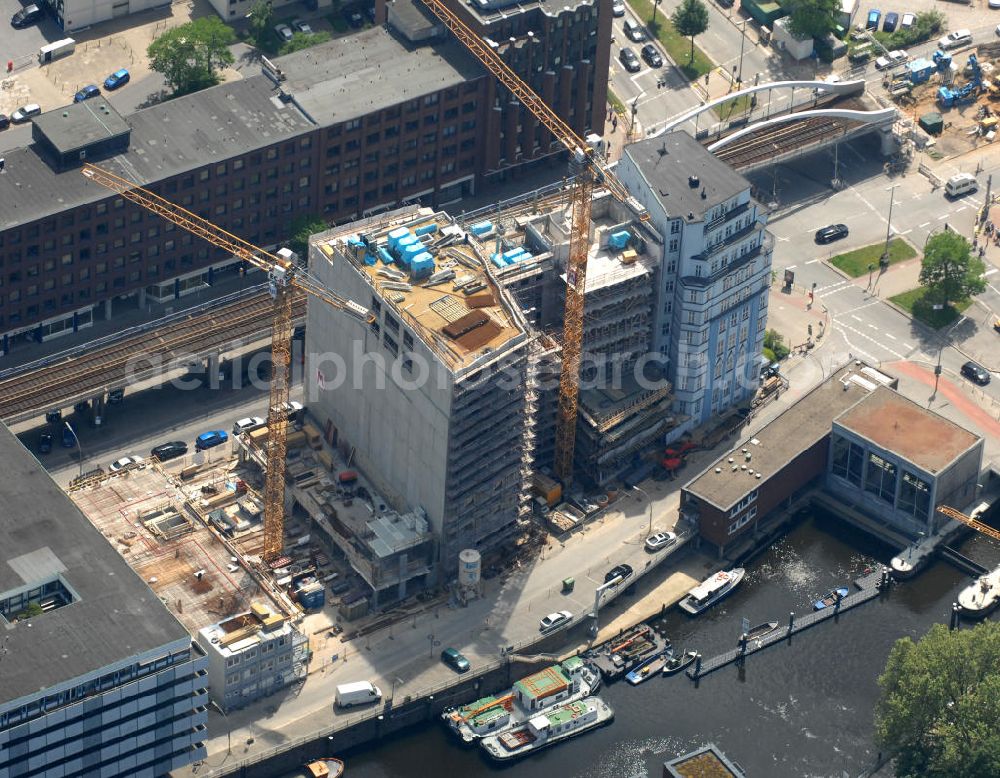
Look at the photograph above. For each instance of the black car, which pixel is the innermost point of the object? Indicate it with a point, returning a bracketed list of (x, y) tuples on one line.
[(44, 443), (619, 571), (4, 121), (652, 56), (629, 60), (976, 373), (27, 16), (171, 450), (831, 233)]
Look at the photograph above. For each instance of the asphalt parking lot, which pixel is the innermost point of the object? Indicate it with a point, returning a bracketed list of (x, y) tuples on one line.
[(21, 46)]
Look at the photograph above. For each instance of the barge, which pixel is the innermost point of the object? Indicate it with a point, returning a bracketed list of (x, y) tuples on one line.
[(546, 729)]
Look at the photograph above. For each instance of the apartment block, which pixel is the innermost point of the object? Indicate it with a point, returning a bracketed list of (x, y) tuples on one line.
[(712, 294), (341, 130), (80, 14), (429, 397), (252, 655), (97, 677)]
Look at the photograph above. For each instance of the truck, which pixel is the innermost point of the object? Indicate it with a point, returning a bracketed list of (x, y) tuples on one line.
[(357, 693)]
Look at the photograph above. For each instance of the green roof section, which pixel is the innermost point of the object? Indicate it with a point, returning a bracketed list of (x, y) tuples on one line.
[(566, 713), (572, 664), (465, 710)]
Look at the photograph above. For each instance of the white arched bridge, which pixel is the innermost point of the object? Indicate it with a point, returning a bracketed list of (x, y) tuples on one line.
[(761, 137)]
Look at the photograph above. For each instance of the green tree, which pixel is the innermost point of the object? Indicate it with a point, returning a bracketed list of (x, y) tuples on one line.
[(949, 270), (188, 56), (774, 343), (261, 14), (812, 18), (302, 228), (690, 19), (301, 41), (940, 704)]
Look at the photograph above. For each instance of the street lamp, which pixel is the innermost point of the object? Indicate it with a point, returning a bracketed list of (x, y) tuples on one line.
[(431, 639), (652, 22), (743, 38), (79, 448), (888, 227), (229, 732), (649, 530)]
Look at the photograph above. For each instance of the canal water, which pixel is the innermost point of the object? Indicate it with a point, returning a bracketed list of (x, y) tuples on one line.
[(797, 710)]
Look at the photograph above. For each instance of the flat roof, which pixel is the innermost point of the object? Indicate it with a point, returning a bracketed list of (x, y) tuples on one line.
[(80, 124), (668, 163), (114, 614), (343, 79), (374, 69), (705, 762), (167, 139), (895, 423), (493, 10), (456, 327), (798, 428)]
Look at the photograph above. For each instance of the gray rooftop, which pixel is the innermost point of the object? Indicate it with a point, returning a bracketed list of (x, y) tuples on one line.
[(797, 429), (80, 124), (44, 536), (668, 162), (491, 10), (334, 83)]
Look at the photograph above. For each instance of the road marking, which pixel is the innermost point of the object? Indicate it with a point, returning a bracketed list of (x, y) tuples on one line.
[(921, 226), (792, 267), (811, 261), (990, 272), (889, 335), (905, 232), (873, 340), (907, 346), (856, 318), (872, 326), (783, 240), (959, 210)]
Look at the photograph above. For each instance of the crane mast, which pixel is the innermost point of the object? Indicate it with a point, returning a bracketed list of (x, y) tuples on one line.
[(592, 171), (284, 276)]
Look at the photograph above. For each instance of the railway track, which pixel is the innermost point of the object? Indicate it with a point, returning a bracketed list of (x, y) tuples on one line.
[(132, 359), (777, 141)]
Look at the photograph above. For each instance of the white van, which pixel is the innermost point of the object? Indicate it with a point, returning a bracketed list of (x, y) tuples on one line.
[(960, 184), (357, 693)]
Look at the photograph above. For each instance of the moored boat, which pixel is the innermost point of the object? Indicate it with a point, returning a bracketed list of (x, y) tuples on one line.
[(756, 633), (981, 597), (574, 679), (548, 728), (711, 590), (831, 598), (649, 668), (677, 664), (327, 767)]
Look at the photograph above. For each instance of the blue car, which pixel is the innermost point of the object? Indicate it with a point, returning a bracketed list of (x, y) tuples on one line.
[(210, 439), (86, 93), (117, 79), (874, 17)]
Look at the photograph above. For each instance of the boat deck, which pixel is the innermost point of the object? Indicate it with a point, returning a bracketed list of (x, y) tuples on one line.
[(868, 589), (633, 646)]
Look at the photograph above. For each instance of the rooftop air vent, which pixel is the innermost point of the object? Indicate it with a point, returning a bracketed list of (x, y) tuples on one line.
[(758, 476), (694, 182), (730, 460), (718, 470)]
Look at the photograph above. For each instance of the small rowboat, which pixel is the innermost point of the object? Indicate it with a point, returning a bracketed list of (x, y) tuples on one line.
[(835, 594)]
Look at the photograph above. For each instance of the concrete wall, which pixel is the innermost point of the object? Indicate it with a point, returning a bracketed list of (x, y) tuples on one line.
[(956, 485), (78, 14)]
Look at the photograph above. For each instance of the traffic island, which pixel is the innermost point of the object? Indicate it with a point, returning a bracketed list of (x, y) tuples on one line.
[(868, 259), (934, 315)]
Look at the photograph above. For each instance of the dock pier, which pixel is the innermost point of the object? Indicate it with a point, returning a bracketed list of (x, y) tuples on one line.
[(869, 587)]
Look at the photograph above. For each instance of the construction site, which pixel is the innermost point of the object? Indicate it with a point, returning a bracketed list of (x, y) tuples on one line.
[(953, 98)]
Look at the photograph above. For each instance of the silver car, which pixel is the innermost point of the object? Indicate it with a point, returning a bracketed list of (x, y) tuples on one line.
[(553, 620)]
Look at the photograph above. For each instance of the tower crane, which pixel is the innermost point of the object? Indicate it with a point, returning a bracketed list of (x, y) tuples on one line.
[(591, 170), (977, 525), (284, 274)]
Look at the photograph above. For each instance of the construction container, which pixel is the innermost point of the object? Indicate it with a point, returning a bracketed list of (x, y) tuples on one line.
[(629, 257), (480, 300), (619, 240), (920, 70), (354, 606), (347, 476), (312, 596), (313, 436), (546, 488), (470, 565), (481, 228), (384, 255), (295, 440), (427, 229)]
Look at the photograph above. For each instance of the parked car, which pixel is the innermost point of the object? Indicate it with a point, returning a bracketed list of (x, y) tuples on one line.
[(976, 373), (831, 232), (633, 31), (909, 20), (652, 56), (4, 121), (354, 17), (68, 439), (994, 4), (283, 31), (248, 424), (618, 8), (27, 16), (955, 39), (117, 79), (890, 60), (891, 22), (302, 26), (116, 396), (454, 659), (553, 620), (91, 90), (44, 443), (210, 439), (874, 17), (121, 464), (25, 112), (618, 571), (293, 409), (171, 450), (629, 60), (660, 541)]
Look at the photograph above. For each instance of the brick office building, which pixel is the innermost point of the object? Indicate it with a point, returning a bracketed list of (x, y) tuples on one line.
[(341, 130)]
